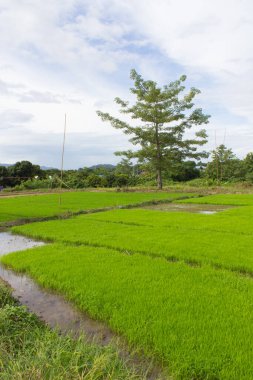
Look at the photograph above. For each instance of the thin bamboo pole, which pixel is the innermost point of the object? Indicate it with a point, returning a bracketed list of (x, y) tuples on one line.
[(62, 156), (217, 162)]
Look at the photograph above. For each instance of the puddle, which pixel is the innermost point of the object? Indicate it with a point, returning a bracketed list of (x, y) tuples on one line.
[(189, 207), (11, 243)]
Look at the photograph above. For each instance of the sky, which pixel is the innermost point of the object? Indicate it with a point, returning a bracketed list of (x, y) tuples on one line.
[(74, 57)]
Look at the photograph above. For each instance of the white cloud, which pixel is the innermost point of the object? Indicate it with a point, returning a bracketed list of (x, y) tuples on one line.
[(13, 118), (209, 38), (74, 56)]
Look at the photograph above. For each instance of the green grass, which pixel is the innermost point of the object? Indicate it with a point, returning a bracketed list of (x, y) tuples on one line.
[(35, 206), (224, 199), (222, 240), (30, 350), (198, 321)]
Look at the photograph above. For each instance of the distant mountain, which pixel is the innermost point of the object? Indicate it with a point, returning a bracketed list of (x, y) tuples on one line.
[(47, 168), (6, 165), (105, 166), (42, 167), (99, 166)]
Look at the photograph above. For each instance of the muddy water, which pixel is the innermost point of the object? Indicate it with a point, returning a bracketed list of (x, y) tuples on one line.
[(11, 243), (189, 207)]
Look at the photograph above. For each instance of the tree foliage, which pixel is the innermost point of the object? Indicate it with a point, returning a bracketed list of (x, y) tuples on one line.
[(20, 171), (225, 166)]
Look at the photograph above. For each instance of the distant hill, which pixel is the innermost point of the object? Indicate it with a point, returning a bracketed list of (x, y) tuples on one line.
[(42, 167), (47, 168), (105, 166), (99, 166), (6, 165)]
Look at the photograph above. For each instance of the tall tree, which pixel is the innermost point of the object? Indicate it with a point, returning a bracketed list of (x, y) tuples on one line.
[(164, 115)]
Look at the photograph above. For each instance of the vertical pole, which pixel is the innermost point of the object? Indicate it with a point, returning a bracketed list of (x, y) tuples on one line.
[(217, 163), (62, 155)]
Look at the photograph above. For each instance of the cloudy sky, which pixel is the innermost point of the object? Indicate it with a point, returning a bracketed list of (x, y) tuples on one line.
[(74, 57)]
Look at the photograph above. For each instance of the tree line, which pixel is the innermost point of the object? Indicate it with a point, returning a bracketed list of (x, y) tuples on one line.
[(223, 166)]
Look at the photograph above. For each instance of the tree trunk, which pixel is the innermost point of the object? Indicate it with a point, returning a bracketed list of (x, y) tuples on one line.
[(158, 157), (159, 179)]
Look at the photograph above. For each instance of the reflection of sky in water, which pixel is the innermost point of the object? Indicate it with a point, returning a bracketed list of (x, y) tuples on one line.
[(11, 243), (207, 212), (209, 209)]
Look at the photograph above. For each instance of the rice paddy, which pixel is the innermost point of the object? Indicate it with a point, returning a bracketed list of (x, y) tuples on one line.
[(172, 284), (48, 205)]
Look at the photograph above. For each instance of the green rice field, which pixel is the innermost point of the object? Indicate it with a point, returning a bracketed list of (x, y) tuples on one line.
[(36, 206), (177, 286), (225, 199), (220, 239)]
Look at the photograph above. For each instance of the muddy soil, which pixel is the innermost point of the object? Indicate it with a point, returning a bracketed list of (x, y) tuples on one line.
[(189, 207)]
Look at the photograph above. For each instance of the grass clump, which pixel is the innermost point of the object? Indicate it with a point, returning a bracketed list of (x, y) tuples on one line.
[(30, 350), (197, 321)]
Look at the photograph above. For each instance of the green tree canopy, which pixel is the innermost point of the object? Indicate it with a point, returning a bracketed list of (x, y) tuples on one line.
[(163, 114), (224, 165), (248, 165)]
